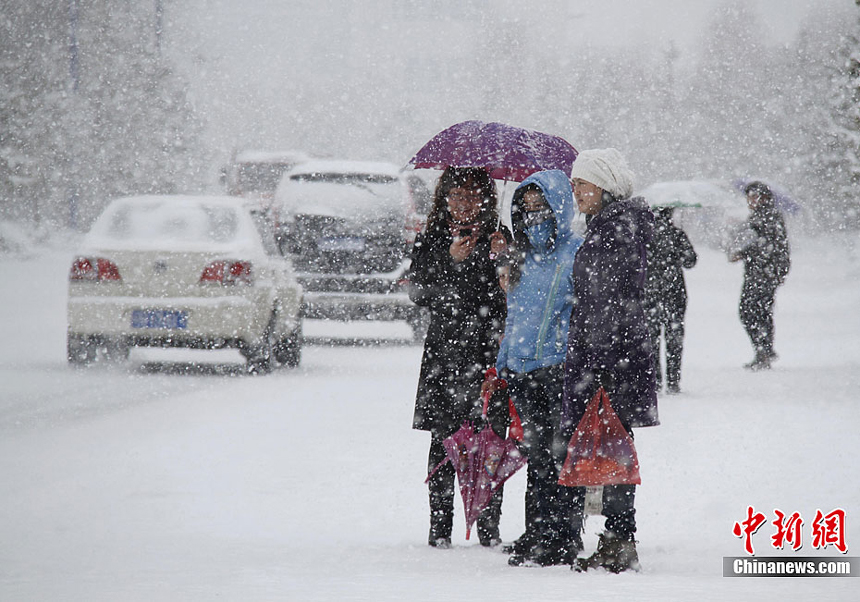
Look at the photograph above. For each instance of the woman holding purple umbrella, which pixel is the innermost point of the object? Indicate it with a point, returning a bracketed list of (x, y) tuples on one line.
[(608, 340), (454, 276)]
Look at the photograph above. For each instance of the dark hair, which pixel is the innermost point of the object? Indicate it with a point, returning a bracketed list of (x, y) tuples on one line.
[(469, 177), (760, 188)]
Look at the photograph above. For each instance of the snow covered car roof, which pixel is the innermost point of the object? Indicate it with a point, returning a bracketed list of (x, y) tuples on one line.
[(261, 156), (344, 168), (175, 223), (340, 199)]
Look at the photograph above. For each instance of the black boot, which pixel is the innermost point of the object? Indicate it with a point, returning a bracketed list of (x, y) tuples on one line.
[(522, 545), (441, 524), (760, 362)]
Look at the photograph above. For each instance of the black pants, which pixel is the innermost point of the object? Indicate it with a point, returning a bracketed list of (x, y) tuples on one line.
[(667, 320), (441, 490), (756, 312), (537, 396), (618, 509)]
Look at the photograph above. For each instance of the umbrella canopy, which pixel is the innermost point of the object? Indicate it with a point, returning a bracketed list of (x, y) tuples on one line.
[(483, 462), (506, 152), (692, 193), (781, 198)]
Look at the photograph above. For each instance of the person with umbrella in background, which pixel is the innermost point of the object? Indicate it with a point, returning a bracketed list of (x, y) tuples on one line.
[(762, 244), (454, 276), (531, 357), (608, 341), (669, 253)]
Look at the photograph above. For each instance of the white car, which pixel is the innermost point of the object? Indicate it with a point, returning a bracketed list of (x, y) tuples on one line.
[(183, 271)]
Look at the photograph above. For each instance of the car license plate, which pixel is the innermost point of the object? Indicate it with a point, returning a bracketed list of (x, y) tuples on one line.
[(159, 318), (353, 244)]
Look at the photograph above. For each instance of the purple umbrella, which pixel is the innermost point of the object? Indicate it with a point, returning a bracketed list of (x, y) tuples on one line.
[(781, 199), (507, 152)]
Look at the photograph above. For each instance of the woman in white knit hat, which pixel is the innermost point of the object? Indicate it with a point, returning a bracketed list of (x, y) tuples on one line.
[(608, 341)]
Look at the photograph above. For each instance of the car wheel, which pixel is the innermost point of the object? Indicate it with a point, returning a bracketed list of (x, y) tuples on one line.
[(289, 349), (80, 350), (261, 357)]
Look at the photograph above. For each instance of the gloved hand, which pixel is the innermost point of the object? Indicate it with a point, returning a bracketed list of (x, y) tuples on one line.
[(492, 383)]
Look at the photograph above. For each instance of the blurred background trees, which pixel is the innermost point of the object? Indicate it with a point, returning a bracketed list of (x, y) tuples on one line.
[(89, 110), (101, 99)]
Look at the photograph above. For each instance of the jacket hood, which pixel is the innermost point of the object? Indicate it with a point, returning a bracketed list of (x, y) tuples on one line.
[(634, 212), (556, 189)]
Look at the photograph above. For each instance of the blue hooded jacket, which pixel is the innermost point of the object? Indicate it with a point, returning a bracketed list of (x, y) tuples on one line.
[(539, 305)]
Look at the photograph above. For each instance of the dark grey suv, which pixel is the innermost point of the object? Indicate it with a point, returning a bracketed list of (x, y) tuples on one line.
[(349, 227)]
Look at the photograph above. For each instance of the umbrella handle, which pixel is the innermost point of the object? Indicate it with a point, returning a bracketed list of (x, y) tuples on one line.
[(486, 405), (438, 466)]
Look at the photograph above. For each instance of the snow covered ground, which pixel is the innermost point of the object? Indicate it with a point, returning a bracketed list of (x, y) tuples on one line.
[(171, 479)]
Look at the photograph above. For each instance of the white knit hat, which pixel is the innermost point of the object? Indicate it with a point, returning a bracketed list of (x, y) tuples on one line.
[(606, 168)]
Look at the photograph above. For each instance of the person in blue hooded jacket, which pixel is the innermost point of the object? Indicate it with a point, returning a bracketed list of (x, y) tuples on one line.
[(532, 353)]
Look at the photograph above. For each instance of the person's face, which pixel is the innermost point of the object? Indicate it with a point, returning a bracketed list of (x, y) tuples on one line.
[(533, 201), (465, 204), (753, 199), (589, 198)]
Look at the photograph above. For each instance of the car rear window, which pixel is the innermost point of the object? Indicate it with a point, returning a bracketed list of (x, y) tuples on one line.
[(170, 222)]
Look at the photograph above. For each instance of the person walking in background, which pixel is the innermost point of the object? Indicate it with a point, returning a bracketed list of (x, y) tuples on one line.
[(453, 275), (669, 253), (763, 247), (608, 341), (532, 352)]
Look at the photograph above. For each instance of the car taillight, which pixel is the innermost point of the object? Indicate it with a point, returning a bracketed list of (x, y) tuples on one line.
[(97, 269), (228, 273), (413, 227)]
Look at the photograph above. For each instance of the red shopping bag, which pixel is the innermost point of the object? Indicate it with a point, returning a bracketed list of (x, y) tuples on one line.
[(601, 451)]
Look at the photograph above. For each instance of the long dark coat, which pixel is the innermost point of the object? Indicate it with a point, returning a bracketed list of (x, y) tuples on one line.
[(766, 253), (467, 316), (608, 339), (669, 253)]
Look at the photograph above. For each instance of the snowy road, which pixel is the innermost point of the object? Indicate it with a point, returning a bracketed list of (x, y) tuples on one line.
[(163, 481)]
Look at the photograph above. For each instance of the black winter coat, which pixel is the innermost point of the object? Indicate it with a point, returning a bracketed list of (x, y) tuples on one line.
[(669, 253), (764, 248), (467, 316)]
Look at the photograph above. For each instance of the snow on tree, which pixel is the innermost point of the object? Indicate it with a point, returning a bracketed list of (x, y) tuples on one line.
[(824, 167), (844, 164), (90, 110)]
